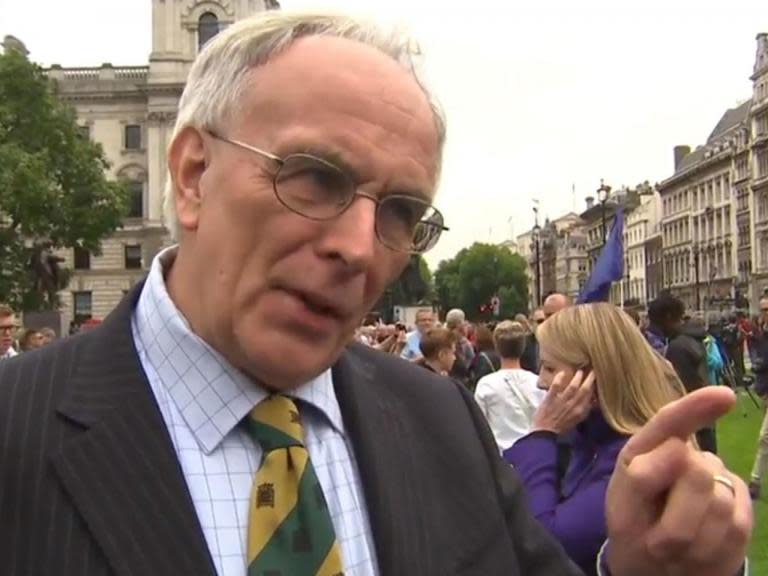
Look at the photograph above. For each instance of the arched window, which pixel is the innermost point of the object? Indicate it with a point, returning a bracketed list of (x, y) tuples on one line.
[(135, 199), (207, 28)]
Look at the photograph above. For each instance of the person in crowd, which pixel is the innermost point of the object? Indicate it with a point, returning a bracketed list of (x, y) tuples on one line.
[(302, 171), (635, 315), (604, 384), (48, 334), (438, 350), (8, 329), (530, 358), (522, 319), (486, 358), (733, 340), (391, 338), (31, 339), (509, 397), (682, 343), (758, 346), (456, 322), (555, 302), (425, 319)]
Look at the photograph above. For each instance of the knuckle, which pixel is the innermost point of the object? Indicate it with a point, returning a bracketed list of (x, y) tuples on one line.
[(670, 542)]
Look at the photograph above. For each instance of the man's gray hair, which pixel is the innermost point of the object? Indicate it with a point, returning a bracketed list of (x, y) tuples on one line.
[(455, 318), (218, 77)]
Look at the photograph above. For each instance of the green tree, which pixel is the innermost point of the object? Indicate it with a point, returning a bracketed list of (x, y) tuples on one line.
[(53, 190), (413, 287), (478, 273)]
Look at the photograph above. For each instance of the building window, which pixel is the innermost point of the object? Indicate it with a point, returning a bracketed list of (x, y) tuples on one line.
[(135, 199), (207, 28), (82, 258), (133, 137), (82, 302), (133, 256)]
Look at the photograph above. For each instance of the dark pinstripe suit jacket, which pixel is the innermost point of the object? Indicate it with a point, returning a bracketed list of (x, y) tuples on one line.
[(90, 484)]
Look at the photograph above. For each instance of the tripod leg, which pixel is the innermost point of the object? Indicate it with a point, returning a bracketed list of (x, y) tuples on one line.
[(752, 397)]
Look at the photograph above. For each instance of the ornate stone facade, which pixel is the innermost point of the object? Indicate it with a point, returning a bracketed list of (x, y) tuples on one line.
[(130, 111)]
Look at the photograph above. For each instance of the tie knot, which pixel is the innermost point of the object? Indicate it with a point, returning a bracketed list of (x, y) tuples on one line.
[(274, 423)]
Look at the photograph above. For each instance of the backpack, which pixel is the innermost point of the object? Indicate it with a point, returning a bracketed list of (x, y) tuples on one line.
[(715, 362)]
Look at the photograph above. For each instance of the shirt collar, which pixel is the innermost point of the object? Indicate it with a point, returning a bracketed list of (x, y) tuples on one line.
[(10, 353), (211, 395)]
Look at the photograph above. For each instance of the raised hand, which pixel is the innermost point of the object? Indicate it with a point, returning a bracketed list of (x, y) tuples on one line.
[(673, 510), (566, 403)]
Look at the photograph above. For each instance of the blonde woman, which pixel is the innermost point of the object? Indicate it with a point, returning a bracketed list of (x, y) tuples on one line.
[(604, 383)]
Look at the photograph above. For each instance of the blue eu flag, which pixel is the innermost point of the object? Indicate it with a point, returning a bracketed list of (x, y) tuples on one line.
[(609, 266)]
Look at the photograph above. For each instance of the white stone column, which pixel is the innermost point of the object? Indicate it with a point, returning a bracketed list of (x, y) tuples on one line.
[(159, 127)]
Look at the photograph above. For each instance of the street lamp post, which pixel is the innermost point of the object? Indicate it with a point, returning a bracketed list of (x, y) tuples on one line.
[(603, 193), (711, 250), (695, 252), (537, 248)]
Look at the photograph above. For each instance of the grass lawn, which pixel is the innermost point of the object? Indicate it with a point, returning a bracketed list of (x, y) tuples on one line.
[(737, 442)]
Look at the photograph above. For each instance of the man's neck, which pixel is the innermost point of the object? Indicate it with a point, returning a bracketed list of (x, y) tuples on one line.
[(510, 364)]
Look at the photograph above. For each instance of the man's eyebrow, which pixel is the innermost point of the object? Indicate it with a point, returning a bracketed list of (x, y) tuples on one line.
[(338, 159)]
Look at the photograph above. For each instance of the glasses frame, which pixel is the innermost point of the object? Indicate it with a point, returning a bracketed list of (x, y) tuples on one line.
[(440, 227)]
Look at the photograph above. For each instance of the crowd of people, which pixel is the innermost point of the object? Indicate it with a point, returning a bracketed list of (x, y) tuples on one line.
[(622, 369), (15, 339)]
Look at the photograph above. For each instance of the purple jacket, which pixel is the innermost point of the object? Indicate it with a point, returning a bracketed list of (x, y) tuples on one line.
[(574, 512)]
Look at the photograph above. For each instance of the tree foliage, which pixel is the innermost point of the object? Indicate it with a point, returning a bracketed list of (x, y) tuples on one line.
[(476, 274), (53, 189), (413, 287)]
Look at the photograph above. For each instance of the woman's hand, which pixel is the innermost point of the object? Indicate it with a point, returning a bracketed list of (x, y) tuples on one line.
[(566, 404)]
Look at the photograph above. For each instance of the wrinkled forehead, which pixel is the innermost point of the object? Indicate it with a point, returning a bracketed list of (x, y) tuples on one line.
[(345, 88)]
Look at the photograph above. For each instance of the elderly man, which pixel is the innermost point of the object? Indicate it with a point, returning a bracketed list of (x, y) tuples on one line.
[(554, 303), (456, 322), (7, 329), (219, 421)]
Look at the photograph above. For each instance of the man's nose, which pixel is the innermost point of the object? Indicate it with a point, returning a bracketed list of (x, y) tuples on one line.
[(351, 236)]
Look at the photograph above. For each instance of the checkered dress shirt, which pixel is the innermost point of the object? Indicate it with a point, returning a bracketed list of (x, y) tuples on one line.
[(202, 398)]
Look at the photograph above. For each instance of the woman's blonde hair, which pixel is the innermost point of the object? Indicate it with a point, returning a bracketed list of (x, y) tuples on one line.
[(633, 381)]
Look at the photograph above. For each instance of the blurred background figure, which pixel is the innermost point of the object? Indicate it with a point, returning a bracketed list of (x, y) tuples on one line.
[(425, 319), (605, 382), (554, 303), (438, 350), (509, 397), (31, 339), (530, 359), (49, 335), (456, 322), (8, 329), (758, 346), (486, 359)]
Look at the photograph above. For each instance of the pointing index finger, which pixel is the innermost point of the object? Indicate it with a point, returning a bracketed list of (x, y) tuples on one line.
[(680, 419)]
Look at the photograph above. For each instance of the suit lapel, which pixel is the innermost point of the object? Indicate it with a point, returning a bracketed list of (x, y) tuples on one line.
[(120, 468), (390, 479)]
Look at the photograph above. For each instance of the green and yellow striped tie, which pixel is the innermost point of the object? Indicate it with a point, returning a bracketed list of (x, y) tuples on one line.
[(290, 532)]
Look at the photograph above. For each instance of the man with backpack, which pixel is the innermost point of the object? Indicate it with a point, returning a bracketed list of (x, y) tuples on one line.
[(682, 343)]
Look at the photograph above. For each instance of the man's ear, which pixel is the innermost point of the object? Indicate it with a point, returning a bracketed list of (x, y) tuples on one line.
[(188, 157)]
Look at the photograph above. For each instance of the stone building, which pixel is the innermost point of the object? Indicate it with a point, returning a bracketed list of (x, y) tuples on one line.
[(757, 167), (130, 111), (556, 257), (639, 225)]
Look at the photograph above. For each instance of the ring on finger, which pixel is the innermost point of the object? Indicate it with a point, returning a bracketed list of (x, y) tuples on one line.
[(725, 481)]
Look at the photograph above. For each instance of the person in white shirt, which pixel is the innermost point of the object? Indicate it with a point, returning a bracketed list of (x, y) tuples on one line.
[(509, 397), (7, 329)]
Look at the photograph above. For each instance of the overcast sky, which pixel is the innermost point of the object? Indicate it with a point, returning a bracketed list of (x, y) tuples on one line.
[(540, 97)]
